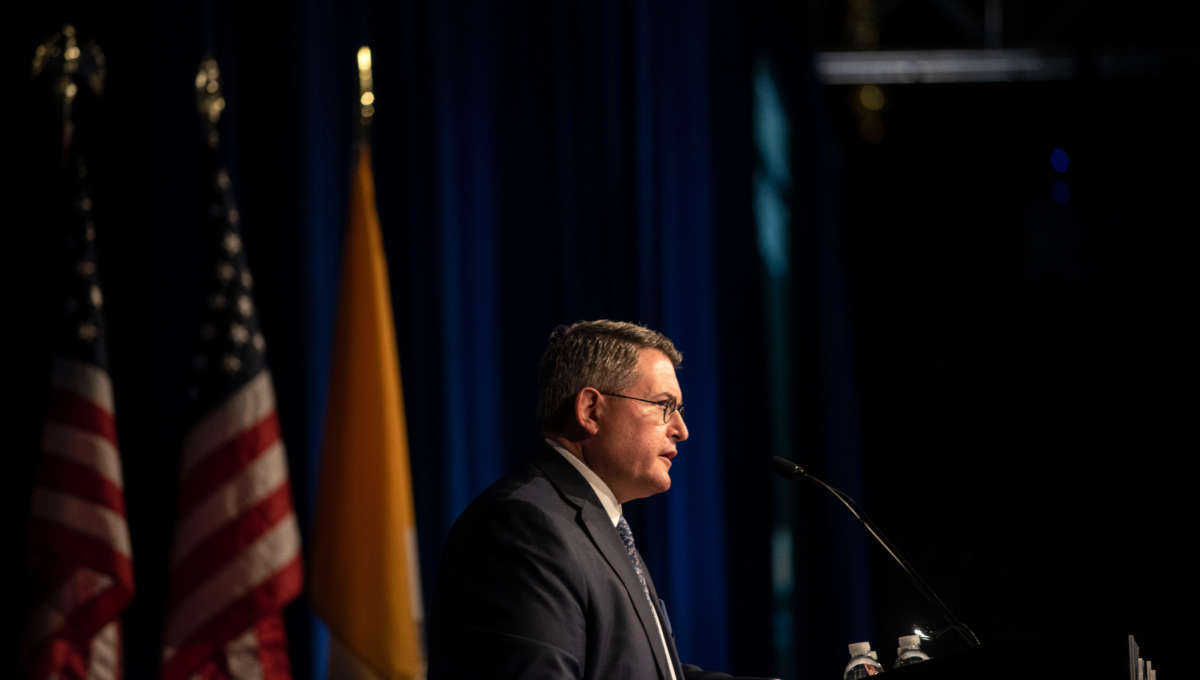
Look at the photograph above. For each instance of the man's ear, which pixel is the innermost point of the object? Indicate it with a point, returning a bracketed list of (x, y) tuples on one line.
[(588, 410)]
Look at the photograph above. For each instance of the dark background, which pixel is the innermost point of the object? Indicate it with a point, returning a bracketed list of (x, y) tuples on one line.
[(997, 374)]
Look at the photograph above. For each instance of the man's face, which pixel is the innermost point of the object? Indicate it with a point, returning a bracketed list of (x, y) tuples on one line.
[(633, 448)]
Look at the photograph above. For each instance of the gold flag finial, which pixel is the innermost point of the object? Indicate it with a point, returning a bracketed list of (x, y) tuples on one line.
[(366, 85), (70, 64), (210, 100)]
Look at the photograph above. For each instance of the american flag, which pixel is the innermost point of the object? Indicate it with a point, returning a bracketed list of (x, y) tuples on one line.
[(80, 550), (236, 556)]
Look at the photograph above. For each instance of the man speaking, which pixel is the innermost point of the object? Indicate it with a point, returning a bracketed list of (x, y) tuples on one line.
[(540, 576)]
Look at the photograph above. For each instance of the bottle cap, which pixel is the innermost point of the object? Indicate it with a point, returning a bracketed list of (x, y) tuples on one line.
[(859, 648), (908, 642)]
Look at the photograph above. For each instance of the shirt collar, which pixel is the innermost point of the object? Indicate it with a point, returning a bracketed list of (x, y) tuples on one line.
[(605, 494)]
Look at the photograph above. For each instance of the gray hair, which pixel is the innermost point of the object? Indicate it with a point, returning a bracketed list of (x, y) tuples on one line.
[(602, 354)]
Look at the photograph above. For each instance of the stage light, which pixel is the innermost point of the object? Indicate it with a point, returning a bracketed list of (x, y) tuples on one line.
[(1060, 160)]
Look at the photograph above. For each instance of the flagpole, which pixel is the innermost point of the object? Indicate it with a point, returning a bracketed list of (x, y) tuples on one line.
[(236, 554), (365, 583), (79, 538)]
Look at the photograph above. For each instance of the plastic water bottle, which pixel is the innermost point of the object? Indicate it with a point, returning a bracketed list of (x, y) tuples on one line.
[(908, 651), (863, 662)]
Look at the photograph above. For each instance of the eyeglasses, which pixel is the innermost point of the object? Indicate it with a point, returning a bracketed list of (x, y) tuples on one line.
[(669, 406)]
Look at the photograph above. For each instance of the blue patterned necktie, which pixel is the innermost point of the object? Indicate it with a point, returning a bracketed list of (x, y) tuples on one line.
[(627, 538)]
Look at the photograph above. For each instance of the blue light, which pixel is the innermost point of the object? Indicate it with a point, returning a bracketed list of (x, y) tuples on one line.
[(1060, 160), (773, 183), (1060, 192)]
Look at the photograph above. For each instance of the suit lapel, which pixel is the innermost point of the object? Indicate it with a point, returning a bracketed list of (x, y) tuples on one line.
[(599, 528)]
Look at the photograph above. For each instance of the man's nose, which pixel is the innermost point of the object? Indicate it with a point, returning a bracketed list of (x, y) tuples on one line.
[(679, 429)]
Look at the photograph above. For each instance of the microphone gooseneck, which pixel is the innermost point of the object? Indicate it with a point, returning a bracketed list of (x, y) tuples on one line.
[(791, 470)]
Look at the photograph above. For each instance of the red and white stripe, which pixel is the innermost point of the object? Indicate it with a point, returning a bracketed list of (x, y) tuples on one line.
[(80, 539), (236, 557)]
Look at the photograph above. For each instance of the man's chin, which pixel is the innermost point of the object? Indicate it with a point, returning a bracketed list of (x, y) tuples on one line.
[(655, 486), (663, 482)]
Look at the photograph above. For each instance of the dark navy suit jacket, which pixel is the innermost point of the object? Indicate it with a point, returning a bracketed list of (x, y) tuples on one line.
[(535, 583)]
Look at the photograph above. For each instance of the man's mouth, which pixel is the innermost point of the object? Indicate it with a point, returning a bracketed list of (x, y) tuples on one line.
[(668, 456)]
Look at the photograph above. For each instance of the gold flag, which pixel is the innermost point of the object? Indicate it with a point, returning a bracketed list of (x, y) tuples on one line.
[(365, 581)]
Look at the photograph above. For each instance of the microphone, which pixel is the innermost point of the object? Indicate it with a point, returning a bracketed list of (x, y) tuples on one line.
[(792, 471), (787, 469)]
